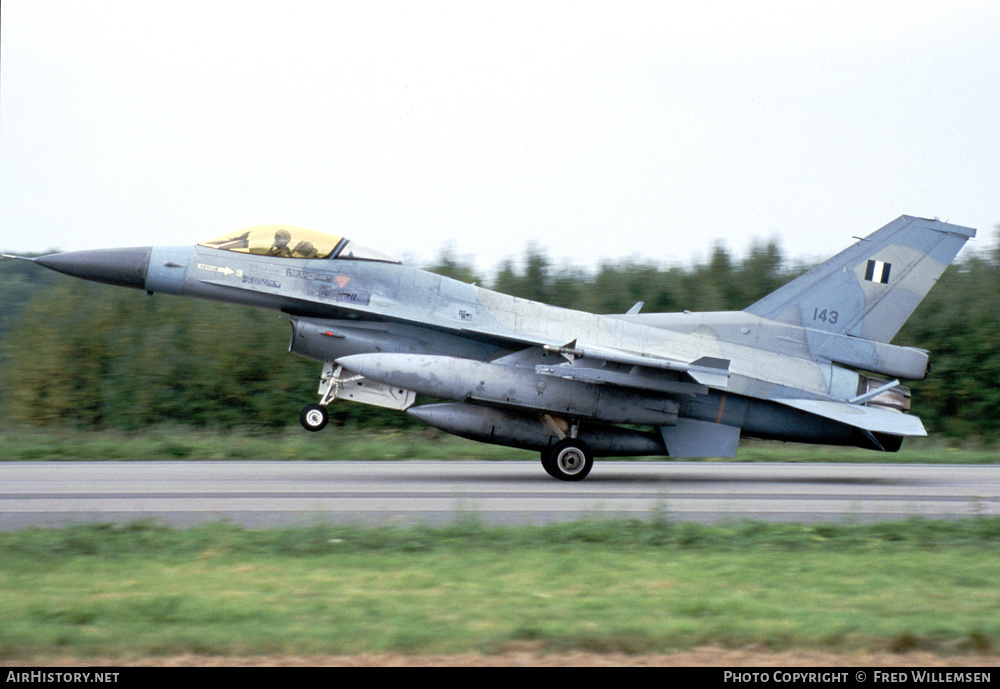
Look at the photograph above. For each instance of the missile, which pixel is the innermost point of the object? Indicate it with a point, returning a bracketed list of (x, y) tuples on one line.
[(469, 380), (532, 431)]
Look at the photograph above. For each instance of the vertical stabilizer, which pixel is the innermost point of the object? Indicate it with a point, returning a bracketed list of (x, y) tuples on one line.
[(871, 288)]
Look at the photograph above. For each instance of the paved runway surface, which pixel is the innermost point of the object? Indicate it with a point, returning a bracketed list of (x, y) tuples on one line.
[(263, 494)]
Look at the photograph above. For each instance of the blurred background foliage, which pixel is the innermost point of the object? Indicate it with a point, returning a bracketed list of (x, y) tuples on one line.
[(78, 354)]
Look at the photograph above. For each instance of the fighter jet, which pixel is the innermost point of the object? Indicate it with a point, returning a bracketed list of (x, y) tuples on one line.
[(812, 362)]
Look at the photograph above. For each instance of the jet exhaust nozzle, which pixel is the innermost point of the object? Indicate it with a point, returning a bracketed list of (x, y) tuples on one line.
[(121, 267)]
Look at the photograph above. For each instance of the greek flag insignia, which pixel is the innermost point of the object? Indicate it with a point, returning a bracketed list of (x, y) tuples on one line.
[(878, 271)]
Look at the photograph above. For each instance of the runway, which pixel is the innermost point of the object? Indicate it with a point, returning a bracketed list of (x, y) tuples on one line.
[(268, 494)]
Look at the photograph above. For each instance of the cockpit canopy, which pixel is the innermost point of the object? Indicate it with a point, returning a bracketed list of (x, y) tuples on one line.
[(289, 241)]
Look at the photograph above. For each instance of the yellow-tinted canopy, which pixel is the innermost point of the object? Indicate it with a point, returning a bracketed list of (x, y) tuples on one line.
[(285, 241), (289, 241)]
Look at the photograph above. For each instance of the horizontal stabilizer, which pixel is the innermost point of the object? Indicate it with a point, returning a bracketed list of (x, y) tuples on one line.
[(872, 419)]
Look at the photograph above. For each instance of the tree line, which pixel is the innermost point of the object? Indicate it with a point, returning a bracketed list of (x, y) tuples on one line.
[(84, 355)]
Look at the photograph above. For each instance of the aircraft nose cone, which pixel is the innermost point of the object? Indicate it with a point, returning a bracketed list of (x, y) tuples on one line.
[(122, 267)]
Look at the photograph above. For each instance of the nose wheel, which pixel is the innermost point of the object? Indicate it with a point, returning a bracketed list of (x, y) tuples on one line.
[(314, 418), (568, 460)]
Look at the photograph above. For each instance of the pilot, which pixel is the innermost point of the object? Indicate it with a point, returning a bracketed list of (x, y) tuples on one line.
[(305, 250), (280, 247)]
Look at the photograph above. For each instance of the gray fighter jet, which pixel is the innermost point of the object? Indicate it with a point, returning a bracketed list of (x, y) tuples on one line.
[(797, 365)]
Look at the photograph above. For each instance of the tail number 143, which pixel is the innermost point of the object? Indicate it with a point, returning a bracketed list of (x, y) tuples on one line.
[(826, 316)]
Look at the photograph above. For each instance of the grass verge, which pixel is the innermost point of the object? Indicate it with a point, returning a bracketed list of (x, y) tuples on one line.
[(169, 443), (633, 587)]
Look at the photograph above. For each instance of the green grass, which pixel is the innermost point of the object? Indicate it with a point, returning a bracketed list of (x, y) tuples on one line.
[(167, 443), (636, 587)]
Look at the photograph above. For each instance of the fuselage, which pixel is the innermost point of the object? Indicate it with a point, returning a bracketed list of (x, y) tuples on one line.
[(451, 318)]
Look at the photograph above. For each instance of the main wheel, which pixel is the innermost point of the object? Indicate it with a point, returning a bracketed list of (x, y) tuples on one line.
[(568, 460), (314, 418)]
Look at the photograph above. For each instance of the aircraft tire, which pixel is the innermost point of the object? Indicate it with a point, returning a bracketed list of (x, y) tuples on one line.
[(547, 464), (568, 460), (314, 418)]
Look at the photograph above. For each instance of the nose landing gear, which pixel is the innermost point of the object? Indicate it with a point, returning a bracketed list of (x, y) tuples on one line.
[(314, 418), (336, 382)]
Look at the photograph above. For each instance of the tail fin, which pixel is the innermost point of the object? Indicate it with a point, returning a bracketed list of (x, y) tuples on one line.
[(871, 288)]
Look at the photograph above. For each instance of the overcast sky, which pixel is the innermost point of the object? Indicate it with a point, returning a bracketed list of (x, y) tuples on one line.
[(596, 131)]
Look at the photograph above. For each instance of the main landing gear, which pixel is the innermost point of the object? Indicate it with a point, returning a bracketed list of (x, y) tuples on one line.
[(568, 460)]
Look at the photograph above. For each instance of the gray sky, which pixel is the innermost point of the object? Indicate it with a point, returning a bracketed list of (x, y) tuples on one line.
[(595, 130)]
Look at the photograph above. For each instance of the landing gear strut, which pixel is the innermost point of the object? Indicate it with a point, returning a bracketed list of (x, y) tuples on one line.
[(568, 460)]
